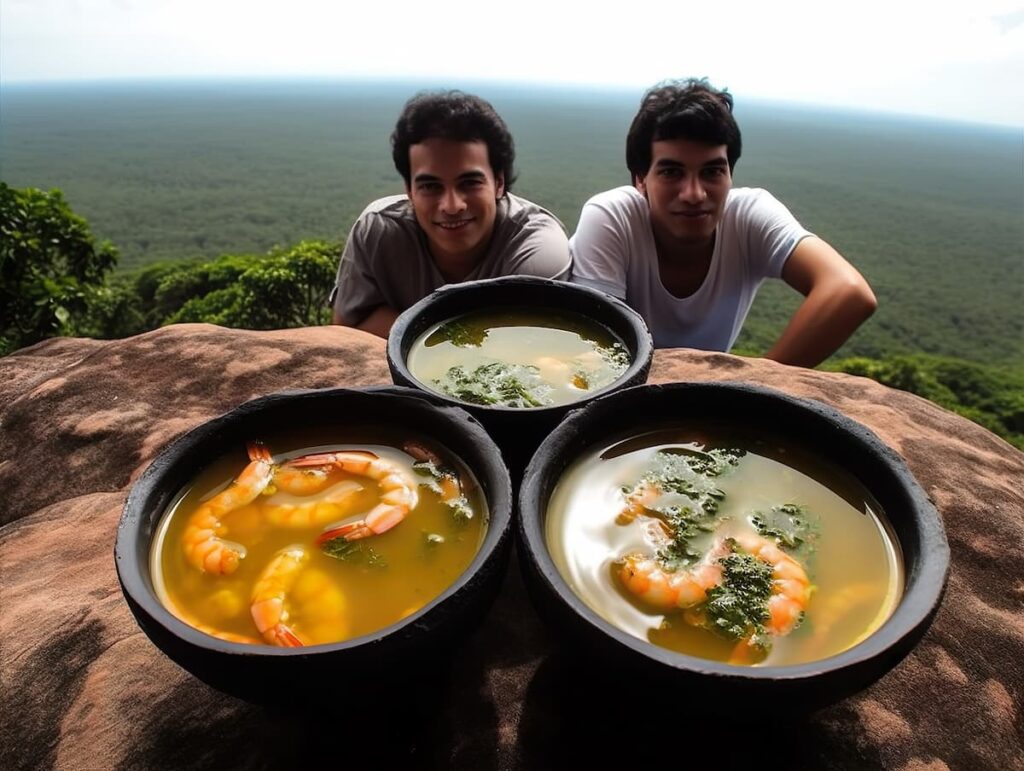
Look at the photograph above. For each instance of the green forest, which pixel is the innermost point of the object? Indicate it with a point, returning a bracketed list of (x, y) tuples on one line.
[(127, 207)]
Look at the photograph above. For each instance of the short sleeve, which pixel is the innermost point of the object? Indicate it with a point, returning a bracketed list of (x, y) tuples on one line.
[(771, 234), (356, 292), (543, 251), (599, 252)]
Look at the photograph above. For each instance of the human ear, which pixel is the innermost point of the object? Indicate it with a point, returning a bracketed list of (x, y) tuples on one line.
[(499, 186)]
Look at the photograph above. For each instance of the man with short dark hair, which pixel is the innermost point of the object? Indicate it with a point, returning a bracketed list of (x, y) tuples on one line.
[(457, 221), (688, 251)]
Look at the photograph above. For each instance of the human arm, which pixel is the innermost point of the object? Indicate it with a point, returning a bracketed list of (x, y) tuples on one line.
[(358, 300), (378, 321), (837, 301)]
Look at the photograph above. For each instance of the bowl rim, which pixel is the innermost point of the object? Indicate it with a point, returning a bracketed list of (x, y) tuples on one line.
[(922, 592), (398, 343), (136, 583)]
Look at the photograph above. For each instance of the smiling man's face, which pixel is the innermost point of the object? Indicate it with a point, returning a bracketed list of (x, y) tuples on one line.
[(686, 187), (454, 193)]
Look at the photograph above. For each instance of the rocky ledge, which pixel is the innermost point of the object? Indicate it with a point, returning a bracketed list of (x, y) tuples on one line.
[(82, 687)]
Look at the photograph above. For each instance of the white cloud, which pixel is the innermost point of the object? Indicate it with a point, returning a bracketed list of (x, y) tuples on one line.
[(928, 57)]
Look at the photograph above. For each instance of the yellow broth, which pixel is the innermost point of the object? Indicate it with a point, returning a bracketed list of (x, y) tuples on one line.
[(853, 562), (558, 357), (382, 580)]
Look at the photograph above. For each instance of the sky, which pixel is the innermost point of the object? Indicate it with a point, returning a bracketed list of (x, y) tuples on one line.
[(962, 60)]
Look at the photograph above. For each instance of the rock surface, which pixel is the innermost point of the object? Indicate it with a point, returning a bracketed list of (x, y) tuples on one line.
[(82, 687)]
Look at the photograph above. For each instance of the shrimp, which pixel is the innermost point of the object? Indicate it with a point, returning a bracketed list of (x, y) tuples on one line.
[(449, 482), (791, 591), (330, 507), (638, 501), (398, 493), (269, 594), (646, 578), (204, 547), (299, 481)]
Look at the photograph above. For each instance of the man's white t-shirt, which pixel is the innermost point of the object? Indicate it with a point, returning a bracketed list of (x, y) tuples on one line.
[(613, 250)]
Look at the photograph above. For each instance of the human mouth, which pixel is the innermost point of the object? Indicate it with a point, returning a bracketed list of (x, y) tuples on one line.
[(456, 225)]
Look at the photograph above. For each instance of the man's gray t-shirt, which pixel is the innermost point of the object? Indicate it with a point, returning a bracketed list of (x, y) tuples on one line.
[(386, 260)]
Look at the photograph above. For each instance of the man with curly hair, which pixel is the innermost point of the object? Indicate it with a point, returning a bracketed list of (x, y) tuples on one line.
[(456, 222)]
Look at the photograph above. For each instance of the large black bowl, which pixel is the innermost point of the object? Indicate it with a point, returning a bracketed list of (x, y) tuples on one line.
[(283, 676), (809, 427), (519, 431)]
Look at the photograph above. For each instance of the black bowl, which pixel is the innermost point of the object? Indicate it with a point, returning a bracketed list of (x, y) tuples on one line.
[(267, 674), (804, 425), (518, 431)]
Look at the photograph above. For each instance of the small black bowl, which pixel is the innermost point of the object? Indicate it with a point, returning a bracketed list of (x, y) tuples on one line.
[(282, 676), (519, 431), (807, 426)]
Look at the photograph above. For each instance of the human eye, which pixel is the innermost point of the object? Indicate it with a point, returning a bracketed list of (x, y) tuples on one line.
[(670, 172), (429, 188), (714, 172)]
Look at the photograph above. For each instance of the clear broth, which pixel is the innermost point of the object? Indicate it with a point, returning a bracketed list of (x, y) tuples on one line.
[(389, 577), (572, 356), (854, 567)]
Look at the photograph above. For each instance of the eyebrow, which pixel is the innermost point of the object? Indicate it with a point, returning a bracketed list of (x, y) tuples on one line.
[(715, 162), (466, 175)]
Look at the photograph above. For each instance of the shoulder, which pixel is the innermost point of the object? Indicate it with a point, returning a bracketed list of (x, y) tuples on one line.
[(521, 222), (621, 210), (389, 208), (519, 212), (626, 200), (744, 201), (385, 218)]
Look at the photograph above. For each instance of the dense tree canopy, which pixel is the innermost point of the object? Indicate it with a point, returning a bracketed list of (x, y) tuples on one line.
[(50, 266)]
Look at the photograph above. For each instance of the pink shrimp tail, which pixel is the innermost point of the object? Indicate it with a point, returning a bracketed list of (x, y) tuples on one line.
[(258, 451), (353, 531), (284, 637)]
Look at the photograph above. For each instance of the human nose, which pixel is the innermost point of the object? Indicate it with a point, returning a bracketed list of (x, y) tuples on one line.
[(452, 202), (692, 190)]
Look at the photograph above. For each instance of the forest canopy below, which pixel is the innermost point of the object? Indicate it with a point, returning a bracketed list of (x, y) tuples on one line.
[(229, 203)]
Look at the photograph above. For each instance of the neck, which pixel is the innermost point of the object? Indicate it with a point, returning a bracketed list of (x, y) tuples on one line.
[(683, 266), (676, 251), (455, 267)]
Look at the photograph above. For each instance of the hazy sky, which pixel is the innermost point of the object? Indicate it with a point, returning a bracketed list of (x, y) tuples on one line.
[(961, 60)]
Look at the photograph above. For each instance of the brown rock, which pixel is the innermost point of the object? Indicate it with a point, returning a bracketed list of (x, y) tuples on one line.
[(82, 687)]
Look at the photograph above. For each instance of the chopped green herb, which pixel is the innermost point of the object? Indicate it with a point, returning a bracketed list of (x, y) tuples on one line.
[(788, 524), (432, 475), (461, 511), (458, 334), (688, 473), (496, 383), (738, 606), (354, 552), (615, 356)]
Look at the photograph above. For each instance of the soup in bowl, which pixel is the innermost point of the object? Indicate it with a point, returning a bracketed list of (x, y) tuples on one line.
[(518, 352), (313, 534), (733, 540)]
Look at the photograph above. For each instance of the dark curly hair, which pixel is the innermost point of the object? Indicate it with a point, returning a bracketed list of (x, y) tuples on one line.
[(458, 116), (682, 109)]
